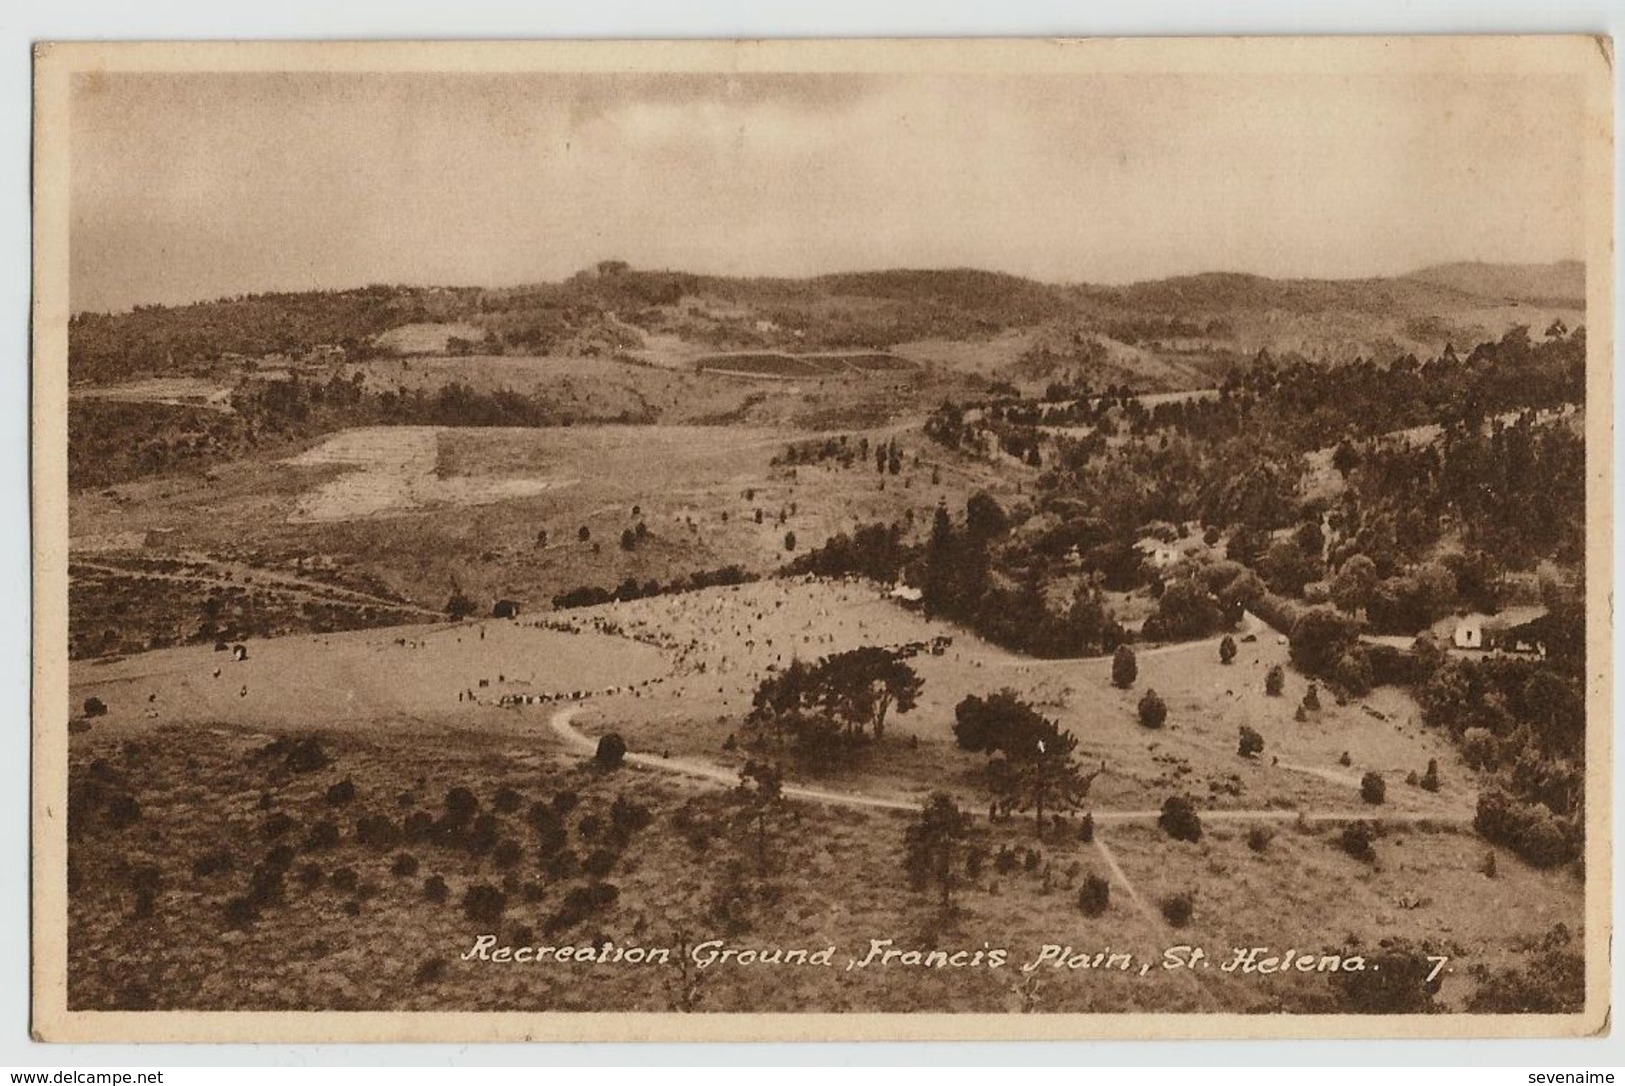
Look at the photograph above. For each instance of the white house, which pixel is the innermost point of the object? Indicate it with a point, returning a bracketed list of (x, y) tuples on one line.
[(1469, 633)]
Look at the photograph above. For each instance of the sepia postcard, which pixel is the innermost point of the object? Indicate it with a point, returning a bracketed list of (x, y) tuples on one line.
[(822, 540)]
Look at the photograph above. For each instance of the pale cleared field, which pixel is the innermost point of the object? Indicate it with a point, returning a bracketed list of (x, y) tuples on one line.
[(391, 470), (362, 678)]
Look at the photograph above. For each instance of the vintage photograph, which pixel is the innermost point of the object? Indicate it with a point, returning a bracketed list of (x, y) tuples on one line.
[(822, 539)]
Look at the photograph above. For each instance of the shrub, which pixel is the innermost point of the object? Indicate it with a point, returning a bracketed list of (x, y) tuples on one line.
[(276, 825), (484, 903), (1356, 840), (1179, 819), (1480, 749), (461, 805), (565, 802), (1094, 896), (562, 864), (1345, 759), (1551, 980), (626, 816), (241, 912), (1086, 828), (1153, 710), (482, 836), (1373, 789), (341, 793), (310, 876), (506, 853), (435, 889), (1394, 981), (1179, 908), (323, 835), (405, 865), (1530, 830), (265, 885), (95, 707), (1251, 743), (1311, 698), (280, 858), (419, 826), (611, 751), (507, 800), (599, 862), (1227, 650), (1353, 672), (345, 880), (377, 831), (1125, 668), (218, 862), (1259, 838), (553, 840), (1275, 681), (581, 903), (1430, 779), (304, 755)]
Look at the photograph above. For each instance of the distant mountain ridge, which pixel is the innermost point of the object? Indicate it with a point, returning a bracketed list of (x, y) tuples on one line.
[(1173, 332), (1563, 281)]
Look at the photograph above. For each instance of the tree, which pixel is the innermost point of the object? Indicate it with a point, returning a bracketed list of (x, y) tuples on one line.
[(861, 685), (985, 519), (1153, 710), (789, 541), (1043, 776), (837, 702), (998, 724), (1033, 764), (1430, 779), (1227, 650), (459, 606), (629, 539), (583, 533), (1355, 583), (1186, 609), (1275, 681), (1319, 639), (1285, 568), (1125, 668), (933, 844), (759, 807)]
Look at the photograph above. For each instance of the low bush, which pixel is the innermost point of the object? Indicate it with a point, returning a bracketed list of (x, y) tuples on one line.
[(611, 751), (1094, 896), (1373, 789), (1178, 909), (1179, 819)]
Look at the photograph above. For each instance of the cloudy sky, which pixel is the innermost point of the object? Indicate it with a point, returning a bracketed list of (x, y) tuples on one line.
[(197, 186)]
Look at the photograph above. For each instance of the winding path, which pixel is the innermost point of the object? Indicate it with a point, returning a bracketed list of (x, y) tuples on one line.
[(561, 724)]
